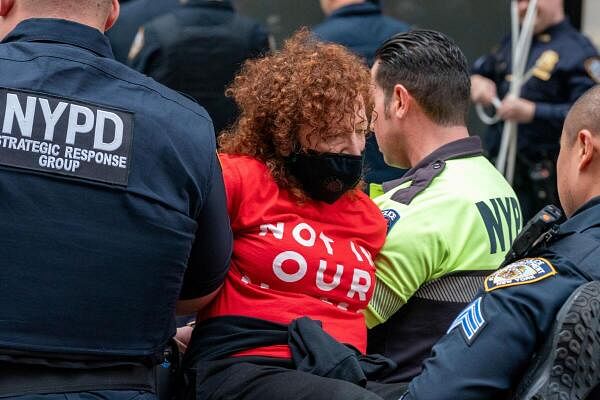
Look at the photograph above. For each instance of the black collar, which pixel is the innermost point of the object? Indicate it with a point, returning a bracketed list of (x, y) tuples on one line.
[(356, 9), (431, 166), (586, 216), (61, 31), (224, 4), (467, 147), (562, 25), (552, 31)]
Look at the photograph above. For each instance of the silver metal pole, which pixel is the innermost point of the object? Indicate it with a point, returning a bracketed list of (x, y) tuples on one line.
[(526, 37), (508, 149), (506, 131)]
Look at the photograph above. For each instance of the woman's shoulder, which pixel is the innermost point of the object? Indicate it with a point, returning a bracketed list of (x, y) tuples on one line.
[(363, 201), (245, 174), (241, 160), (356, 207), (243, 165), (363, 214)]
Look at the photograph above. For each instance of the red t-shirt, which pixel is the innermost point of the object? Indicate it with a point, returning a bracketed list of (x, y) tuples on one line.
[(291, 260)]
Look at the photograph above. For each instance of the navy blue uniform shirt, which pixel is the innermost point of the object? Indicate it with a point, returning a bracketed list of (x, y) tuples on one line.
[(197, 49), (559, 83), (362, 28), (110, 192), (490, 344)]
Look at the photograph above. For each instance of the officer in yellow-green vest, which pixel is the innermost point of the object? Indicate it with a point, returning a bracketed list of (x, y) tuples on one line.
[(451, 218)]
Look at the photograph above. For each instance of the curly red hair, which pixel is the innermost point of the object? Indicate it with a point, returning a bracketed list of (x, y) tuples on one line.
[(306, 84)]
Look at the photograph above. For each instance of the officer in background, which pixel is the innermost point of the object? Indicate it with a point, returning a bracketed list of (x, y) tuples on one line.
[(451, 218), (557, 56), (112, 207), (134, 14), (197, 49), (360, 26), (490, 344)]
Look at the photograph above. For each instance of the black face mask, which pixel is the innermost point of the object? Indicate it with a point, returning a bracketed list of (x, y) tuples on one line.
[(325, 176)]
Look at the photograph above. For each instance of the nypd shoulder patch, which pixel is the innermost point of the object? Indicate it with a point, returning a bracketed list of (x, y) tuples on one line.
[(522, 272), (391, 216), (592, 66), (470, 321)]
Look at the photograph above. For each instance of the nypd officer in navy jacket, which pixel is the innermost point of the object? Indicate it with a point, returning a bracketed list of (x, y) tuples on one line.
[(112, 208), (490, 345), (198, 48), (134, 14), (558, 76)]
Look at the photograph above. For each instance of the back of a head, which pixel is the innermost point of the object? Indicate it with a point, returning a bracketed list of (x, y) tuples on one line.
[(578, 165), (66, 5), (584, 114), (92, 12), (434, 71)]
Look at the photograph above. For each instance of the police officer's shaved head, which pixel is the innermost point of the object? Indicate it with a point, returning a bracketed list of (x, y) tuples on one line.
[(578, 165), (585, 114), (68, 4), (100, 14), (432, 68)]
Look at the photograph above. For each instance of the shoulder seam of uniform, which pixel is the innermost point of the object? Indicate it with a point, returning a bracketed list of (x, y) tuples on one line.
[(208, 187), (118, 78)]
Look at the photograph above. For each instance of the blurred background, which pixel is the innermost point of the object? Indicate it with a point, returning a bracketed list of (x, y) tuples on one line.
[(476, 25)]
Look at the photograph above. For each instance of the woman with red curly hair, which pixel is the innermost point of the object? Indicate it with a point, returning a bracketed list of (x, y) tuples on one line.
[(305, 235)]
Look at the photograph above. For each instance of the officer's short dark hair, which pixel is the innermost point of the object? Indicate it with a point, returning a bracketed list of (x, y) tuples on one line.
[(432, 68)]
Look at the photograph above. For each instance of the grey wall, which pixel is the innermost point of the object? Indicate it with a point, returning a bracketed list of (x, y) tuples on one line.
[(283, 17), (476, 25)]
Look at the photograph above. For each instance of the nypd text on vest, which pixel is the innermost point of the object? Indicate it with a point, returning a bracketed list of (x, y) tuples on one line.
[(61, 136)]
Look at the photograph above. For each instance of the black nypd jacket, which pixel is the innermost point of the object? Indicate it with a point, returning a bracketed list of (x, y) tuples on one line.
[(197, 49)]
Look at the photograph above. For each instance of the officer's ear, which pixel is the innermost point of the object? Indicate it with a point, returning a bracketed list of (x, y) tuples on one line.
[(401, 101), (5, 7), (115, 10), (587, 146)]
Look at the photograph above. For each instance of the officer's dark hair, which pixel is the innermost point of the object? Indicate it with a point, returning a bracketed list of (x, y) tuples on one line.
[(584, 114), (433, 70)]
